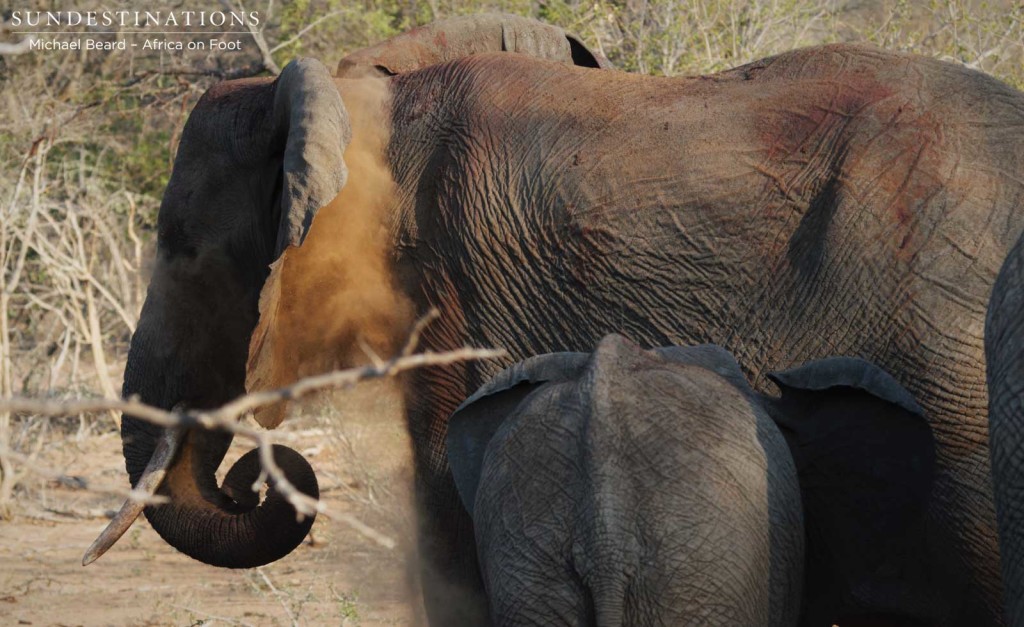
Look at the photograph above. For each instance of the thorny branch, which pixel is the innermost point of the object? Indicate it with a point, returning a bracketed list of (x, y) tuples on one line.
[(226, 417), (246, 71)]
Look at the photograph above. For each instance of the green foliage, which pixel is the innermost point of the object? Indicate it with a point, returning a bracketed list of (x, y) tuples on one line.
[(983, 35), (348, 609), (143, 164), (343, 26), (146, 167), (294, 17)]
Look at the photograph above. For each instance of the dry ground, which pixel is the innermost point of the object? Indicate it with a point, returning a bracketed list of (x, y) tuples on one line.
[(340, 577)]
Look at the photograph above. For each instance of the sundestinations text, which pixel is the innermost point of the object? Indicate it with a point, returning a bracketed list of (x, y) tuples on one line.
[(138, 19)]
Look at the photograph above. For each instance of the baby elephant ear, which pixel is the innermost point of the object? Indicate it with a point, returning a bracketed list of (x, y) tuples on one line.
[(475, 422), (852, 372), (865, 458)]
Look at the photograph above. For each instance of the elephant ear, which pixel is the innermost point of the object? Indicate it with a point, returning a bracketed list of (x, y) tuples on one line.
[(476, 420), (310, 116), (312, 128), (546, 42), (585, 57), (852, 372), (865, 458)]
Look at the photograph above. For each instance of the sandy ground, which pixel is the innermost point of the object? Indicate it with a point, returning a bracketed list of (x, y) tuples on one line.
[(337, 577)]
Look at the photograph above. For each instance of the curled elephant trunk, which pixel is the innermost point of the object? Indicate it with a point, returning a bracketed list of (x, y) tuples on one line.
[(225, 526)]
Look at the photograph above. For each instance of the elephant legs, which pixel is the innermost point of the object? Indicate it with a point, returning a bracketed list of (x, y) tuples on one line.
[(963, 516), (453, 590)]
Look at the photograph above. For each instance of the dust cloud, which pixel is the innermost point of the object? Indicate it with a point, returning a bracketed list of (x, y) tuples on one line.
[(328, 299)]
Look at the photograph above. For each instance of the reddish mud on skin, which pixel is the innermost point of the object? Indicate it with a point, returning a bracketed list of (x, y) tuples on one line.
[(836, 200), (909, 174)]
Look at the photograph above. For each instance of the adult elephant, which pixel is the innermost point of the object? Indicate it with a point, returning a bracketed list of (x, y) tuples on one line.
[(832, 200), (1004, 350), (633, 487)]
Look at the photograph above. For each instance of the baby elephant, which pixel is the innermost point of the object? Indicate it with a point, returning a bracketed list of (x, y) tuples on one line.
[(635, 487)]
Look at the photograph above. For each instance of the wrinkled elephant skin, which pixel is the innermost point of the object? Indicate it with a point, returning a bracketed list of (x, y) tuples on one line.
[(838, 200), (657, 488)]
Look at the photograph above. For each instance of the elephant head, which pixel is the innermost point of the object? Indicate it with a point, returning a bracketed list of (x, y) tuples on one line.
[(257, 159), (457, 37), (848, 443)]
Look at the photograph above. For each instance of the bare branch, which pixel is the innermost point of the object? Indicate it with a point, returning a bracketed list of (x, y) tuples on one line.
[(76, 482), (278, 595), (257, 36), (17, 47), (225, 75), (366, 530), (417, 329), (226, 417)]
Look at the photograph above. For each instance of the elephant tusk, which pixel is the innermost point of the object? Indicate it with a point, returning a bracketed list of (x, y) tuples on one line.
[(142, 494)]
